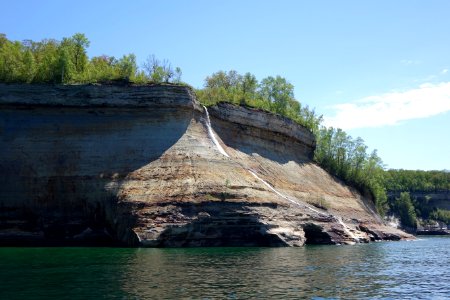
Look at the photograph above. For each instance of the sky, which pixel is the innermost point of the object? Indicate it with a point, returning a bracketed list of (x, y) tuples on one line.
[(377, 69)]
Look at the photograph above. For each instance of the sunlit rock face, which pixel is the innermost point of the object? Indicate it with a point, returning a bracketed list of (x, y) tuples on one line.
[(138, 165)]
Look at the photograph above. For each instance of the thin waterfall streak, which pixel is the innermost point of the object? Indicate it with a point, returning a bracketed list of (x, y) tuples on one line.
[(346, 229), (271, 187), (282, 195), (212, 135), (223, 152)]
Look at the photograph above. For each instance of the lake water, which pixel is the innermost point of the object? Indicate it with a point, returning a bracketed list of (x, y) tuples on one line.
[(417, 269)]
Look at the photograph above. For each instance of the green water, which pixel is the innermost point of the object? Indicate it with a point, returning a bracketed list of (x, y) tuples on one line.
[(419, 269)]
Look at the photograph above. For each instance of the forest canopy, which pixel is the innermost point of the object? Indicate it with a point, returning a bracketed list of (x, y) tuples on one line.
[(67, 62), (275, 94), (417, 180)]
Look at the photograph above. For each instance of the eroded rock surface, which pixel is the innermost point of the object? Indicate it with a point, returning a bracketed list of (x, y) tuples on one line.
[(138, 166)]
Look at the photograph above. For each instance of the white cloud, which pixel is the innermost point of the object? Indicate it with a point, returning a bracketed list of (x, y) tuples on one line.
[(444, 71), (391, 108), (409, 62)]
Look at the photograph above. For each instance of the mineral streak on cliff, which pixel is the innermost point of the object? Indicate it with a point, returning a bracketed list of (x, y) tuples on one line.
[(136, 165)]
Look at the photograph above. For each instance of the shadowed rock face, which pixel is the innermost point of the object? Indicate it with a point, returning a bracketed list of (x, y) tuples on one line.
[(137, 166), (434, 199)]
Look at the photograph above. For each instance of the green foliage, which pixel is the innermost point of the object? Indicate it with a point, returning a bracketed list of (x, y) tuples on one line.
[(319, 202), (126, 67), (161, 71), (11, 62), (273, 94), (347, 158), (404, 207), (442, 215), (412, 181), (79, 43), (46, 54), (66, 62), (280, 94), (102, 68), (416, 180)]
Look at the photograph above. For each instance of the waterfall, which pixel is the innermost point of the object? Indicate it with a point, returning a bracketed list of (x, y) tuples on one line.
[(284, 196), (212, 135), (222, 151), (347, 230), (271, 187)]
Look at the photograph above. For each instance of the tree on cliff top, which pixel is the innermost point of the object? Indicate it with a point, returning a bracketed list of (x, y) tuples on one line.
[(80, 43), (280, 93), (66, 61), (273, 94), (161, 71)]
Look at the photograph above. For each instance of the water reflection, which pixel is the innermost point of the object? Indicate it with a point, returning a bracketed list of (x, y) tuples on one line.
[(321, 271), (383, 270)]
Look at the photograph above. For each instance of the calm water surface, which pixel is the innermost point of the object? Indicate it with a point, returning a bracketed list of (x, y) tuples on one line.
[(394, 270)]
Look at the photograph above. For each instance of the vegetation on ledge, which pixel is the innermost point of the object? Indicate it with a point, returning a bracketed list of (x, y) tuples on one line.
[(66, 62), (274, 94)]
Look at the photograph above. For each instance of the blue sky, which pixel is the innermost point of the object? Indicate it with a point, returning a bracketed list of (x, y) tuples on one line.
[(378, 69)]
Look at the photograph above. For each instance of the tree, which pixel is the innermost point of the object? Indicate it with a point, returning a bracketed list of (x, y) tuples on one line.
[(224, 80), (102, 68), (66, 61), (249, 84), (178, 74), (10, 61), (404, 207), (278, 91), (80, 43), (65, 65), (46, 56), (273, 94), (3, 39), (127, 67), (28, 66), (161, 71)]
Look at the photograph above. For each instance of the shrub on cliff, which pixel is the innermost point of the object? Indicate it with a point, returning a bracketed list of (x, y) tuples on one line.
[(404, 207), (66, 62), (442, 215), (273, 94), (347, 158)]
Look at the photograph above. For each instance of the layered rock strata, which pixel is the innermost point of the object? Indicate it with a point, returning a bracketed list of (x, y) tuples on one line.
[(145, 166)]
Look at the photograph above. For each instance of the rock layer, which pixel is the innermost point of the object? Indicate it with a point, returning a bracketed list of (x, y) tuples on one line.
[(137, 166)]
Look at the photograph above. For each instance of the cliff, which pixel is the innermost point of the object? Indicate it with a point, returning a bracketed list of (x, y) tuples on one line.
[(433, 199), (147, 166)]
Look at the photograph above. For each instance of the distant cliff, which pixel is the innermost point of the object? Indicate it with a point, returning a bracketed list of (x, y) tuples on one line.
[(434, 199), (145, 166)]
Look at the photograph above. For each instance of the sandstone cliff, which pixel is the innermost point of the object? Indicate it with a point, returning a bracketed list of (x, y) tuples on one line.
[(147, 166)]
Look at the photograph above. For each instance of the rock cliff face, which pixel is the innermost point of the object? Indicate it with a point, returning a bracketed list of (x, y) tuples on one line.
[(434, 199), (147, 166)]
